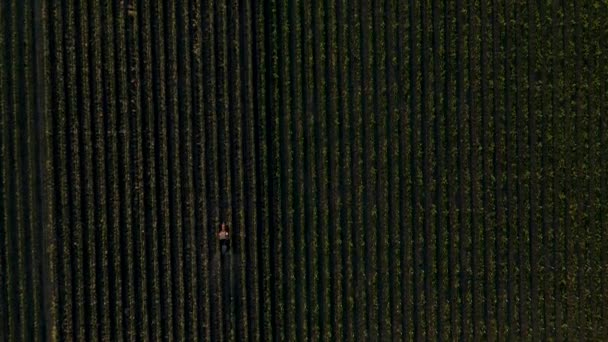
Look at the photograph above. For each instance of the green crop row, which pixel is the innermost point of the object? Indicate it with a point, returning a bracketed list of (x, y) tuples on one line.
[(389, 170)]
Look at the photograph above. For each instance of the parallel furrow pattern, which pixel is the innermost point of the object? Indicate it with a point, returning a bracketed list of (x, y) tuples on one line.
[(389, 170)]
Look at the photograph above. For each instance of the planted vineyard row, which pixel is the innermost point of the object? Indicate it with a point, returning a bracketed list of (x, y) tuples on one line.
[(388, 170)]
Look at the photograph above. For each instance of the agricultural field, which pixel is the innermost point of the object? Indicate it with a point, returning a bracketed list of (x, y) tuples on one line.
[(385, 170)]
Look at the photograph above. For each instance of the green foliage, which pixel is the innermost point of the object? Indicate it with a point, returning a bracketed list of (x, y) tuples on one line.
[(389, 170)]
